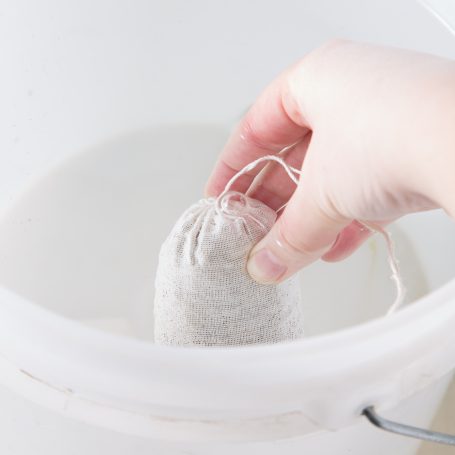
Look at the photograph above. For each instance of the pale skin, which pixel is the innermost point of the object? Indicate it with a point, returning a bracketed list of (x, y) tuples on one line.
[(375, 134)]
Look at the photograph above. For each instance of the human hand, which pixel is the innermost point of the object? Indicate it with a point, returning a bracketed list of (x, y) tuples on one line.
[(375, 134)]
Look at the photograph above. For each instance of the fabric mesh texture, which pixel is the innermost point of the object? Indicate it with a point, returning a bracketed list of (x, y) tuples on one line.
[(204, 295)]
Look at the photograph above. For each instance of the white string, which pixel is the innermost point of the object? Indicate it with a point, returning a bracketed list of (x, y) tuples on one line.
[(222, 207), (393, 262), (292, 172)]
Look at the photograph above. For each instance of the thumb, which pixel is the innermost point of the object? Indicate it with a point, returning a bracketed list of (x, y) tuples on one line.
[(302, 234)]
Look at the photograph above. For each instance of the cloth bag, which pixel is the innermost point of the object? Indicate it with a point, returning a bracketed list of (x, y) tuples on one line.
[(204, 295)]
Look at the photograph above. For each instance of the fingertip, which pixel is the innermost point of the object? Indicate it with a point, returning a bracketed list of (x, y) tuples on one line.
[(265, 267)]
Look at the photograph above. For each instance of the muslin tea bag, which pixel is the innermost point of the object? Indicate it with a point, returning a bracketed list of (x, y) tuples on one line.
[(204, 295)]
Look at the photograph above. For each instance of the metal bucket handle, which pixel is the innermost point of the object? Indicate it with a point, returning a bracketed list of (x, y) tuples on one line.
[(407, 430)]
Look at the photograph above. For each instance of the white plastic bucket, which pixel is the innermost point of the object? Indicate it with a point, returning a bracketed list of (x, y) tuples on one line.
[(82, 242), (79, 242)]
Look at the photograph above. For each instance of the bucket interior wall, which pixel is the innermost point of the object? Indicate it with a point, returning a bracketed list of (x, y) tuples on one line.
[(84, 239)]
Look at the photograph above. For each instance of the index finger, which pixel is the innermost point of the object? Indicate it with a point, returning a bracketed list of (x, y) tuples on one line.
[(271, 124)]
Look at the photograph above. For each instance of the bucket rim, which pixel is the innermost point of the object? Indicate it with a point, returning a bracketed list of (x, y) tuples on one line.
[(378, 362)]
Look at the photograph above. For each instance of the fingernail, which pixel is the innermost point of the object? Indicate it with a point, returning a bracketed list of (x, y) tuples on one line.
[(264, 267)]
